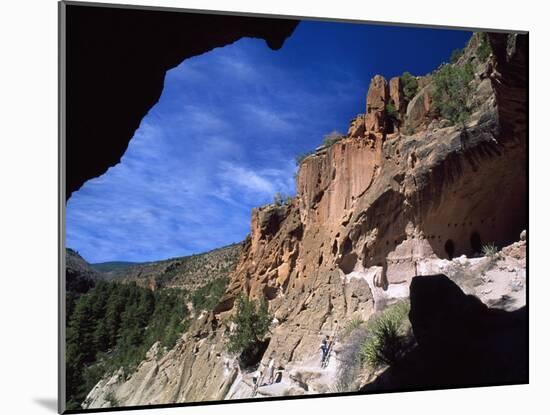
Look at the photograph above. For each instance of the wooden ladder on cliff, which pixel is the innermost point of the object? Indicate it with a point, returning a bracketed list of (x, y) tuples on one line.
[(325, 361)]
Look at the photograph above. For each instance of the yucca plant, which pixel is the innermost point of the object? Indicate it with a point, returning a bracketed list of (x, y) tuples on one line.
[(386, 339), (355, 323), (490, 250)]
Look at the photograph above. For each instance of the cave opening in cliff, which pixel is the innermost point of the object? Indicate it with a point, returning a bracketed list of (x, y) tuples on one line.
[(270, 292), (348, 258), (475, 243), (450, 248), (251, 357)]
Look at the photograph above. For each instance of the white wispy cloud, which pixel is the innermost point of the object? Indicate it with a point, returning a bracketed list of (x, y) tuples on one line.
[(262, 118), (246, 179)]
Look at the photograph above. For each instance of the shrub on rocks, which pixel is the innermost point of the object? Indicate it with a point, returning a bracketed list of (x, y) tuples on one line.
[(452, 91), (332, 138), (252, 321), (484, 49), (386, 340), (410, 85)]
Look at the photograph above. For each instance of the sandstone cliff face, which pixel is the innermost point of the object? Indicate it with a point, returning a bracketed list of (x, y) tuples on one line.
[(371, 211)]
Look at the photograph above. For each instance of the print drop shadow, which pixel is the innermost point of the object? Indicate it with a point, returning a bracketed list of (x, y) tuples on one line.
[(48, 403), (460, 342)]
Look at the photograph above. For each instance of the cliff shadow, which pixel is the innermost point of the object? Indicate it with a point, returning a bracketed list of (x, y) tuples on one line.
[(460, 342)]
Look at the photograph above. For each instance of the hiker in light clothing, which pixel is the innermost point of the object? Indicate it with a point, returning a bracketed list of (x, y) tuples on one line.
[(257, 376), (271, 371)]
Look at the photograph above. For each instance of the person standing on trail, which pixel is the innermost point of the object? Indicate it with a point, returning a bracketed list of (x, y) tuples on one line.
[(257, 376), (324, 348), (271, 370)]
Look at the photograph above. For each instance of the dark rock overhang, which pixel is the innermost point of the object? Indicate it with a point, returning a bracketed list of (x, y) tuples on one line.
[(116, 61)]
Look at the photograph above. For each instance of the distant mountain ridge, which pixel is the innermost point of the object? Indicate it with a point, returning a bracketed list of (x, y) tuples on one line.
[(80, 274), (110, 266), (80, 277), (186, 272)]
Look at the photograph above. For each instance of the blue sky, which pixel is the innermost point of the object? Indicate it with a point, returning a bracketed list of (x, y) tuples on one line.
[(223, 137)]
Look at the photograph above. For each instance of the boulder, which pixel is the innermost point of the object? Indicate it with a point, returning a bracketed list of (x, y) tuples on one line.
[(419, 109)]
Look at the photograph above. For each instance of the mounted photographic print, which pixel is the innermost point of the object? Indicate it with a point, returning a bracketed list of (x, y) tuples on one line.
[(274, 207)]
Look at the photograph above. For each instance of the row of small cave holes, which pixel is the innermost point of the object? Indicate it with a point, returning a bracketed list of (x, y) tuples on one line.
[(449, 244), (396, 242)]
